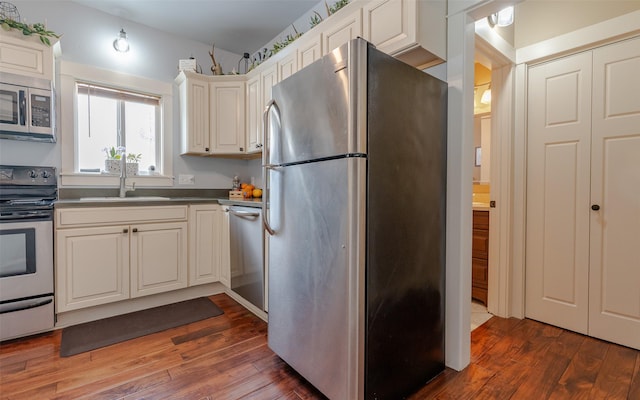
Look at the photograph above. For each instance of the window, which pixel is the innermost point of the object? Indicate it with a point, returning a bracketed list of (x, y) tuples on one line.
[(116, 118), (103, 108)]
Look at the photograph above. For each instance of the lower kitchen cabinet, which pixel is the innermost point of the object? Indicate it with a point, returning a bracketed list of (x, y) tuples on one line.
[(109, 254), (158, 258), (480, 256), (225, 253), (205, 236), (92, 266)]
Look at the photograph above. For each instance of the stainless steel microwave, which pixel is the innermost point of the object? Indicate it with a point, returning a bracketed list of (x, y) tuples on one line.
[(26, 108)]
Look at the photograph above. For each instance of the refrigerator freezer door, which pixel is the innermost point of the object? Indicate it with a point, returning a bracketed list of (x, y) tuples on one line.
[(315, 298), (316, 107)]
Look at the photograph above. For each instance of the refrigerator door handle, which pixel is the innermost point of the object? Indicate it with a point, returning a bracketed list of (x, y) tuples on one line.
[(266, 162), (266, 154), (265, 201)]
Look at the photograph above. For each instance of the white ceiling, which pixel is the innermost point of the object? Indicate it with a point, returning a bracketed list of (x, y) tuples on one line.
[(235, 25)]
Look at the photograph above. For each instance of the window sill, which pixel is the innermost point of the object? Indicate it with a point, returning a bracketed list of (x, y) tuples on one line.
[(106, 180)]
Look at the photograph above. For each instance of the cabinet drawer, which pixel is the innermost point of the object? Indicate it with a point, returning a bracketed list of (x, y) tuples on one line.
[(480, 244), (481, 220), (479, 273), (479, 294), (118, 215)]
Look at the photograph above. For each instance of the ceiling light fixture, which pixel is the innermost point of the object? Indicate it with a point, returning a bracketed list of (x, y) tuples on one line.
[(121, 44), (502, 18)]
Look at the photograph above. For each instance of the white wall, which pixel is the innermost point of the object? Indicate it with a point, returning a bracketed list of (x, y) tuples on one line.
[(87, 39)]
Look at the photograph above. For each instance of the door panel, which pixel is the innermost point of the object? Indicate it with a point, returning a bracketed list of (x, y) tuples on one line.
[(614, 309), (557, 258), (311, 285)]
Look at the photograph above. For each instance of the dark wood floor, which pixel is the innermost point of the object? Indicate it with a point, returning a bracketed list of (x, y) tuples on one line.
[(227, 358)]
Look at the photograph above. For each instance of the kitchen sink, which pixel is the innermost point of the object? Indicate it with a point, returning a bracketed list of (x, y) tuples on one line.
[(114, 198)]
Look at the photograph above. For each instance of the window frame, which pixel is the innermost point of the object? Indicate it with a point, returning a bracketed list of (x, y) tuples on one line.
[(72, 74)]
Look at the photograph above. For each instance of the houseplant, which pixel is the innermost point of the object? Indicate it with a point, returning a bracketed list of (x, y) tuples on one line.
[(133, 161), (112, 163)]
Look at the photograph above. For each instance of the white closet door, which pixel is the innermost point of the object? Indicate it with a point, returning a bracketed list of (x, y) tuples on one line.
[(614, 308), (557, 243)]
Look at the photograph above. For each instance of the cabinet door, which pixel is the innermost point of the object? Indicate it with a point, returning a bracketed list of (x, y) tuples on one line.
[(254, 116), (205, 227), (92, 266), (225, 249), (158, 258), (346, 29), (614, 280), (288, 65), (227, 117), (268, 79), (195, 114), (390, 24), (26, 57), (310, 50)]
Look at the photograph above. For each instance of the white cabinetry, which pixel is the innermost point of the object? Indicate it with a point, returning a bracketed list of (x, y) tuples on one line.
[(212, 114), (205, 243), (225, 252), (92, 266), (227, 115), (309, 49), (26, 56), (254, 115), (110, 254), (194, 113), (288, 65), (413, 31), (340, 31), (158, 260)]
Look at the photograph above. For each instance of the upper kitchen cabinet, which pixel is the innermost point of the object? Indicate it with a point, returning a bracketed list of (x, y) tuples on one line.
[(410, 30), (194, 112), (254, 115), (227, 118), (309, 49), (27, 56), (212, 114), (337, 32), (288, 65)]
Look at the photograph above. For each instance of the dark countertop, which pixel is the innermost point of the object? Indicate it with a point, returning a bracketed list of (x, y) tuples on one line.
[(148, 197)]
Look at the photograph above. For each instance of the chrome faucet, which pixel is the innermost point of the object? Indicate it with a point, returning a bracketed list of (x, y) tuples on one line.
[(123, 177)]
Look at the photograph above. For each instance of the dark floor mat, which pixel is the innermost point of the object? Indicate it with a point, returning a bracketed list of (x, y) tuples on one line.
[(104, 332)]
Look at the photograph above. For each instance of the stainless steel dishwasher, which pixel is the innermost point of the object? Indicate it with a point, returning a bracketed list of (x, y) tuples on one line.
[(247, 255)]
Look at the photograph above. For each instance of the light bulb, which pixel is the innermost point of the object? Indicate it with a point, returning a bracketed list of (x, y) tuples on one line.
[(121, 43)]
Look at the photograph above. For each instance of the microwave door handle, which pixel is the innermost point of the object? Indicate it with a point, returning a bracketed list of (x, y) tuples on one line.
[(22, 104)]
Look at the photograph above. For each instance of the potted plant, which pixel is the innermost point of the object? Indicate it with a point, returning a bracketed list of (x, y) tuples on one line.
[(112, 163), (133, 161)]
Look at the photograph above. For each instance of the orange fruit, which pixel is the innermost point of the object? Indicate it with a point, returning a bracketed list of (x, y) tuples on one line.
[(257, 193)]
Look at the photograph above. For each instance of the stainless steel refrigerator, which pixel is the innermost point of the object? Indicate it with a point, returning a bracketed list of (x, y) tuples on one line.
[(354, 211)]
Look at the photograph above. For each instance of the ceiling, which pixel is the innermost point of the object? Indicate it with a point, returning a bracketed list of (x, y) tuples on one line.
[(238, 26)]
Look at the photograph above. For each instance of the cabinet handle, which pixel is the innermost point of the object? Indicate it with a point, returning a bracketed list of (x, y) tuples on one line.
[(135, 230), (241, 148), (206, 149), (595, 207), (125, 230)]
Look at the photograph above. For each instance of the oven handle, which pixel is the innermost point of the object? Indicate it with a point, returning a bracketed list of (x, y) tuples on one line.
[(30, 215), (27, 306)]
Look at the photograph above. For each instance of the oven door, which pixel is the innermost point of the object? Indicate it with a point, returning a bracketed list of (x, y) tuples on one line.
[(26, 259)]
